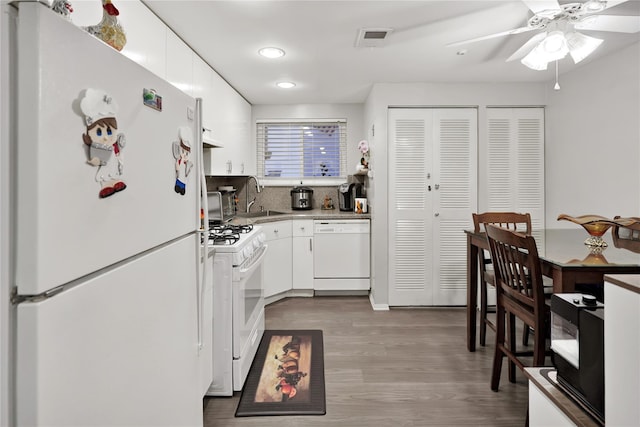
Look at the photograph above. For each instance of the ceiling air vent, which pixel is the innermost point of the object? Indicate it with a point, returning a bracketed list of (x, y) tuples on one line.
[(372, 37)]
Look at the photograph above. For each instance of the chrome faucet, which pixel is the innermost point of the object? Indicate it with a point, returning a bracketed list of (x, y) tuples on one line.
[(250, 203), (255, 178)]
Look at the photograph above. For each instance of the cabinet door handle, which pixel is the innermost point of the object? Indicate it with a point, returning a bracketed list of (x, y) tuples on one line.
[(310, 245)]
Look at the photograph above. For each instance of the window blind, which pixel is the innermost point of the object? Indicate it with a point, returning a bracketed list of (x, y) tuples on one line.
[(309, 149)]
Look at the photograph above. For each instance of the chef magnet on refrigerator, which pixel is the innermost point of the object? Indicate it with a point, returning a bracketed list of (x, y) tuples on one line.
[(181, 152), (104, 143)]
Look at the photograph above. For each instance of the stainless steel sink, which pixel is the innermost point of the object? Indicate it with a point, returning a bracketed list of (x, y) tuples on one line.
[(260, 214)]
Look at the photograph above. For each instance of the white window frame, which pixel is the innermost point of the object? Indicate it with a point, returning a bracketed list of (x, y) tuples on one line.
[(320, 181)]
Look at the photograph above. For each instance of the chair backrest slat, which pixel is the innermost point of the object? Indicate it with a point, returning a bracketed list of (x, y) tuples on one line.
[(515, 221), (517, 268), (627, 237)]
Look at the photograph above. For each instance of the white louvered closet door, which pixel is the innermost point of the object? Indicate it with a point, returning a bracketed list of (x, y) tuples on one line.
[(515, 164), (432, 193)]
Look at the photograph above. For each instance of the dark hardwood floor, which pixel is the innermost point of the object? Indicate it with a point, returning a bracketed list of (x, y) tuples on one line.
[(403, 367)]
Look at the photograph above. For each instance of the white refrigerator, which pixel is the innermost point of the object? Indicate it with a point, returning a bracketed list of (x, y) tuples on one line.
[(106, 241)]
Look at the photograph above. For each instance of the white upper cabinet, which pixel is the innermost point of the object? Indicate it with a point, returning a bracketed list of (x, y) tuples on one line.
[(179, 64), (231, 127), (146, 34), (226, 115), (202, 88)]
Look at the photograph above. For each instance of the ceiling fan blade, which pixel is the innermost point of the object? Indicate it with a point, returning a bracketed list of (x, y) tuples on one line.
[(543, 6), (611, 3), (527, 47), (491, 36), (618, 24)]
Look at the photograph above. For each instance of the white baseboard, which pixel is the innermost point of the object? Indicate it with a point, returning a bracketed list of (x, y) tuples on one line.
[(377, 307), (292, 293)]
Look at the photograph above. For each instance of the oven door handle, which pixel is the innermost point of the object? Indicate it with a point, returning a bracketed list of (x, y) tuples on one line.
[(247, 271)]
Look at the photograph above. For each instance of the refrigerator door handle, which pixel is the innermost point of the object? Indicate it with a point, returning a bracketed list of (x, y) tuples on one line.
[(17, 298), (202, 211)]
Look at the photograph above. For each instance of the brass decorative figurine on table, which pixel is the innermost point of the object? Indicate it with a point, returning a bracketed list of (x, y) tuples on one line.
[(596, 226)]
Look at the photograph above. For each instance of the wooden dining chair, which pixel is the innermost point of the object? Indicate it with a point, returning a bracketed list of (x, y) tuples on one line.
[(511, 220), (519, 294), (627, 237)]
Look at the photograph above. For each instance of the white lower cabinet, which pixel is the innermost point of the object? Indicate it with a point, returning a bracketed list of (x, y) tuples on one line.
[(277, 263), (290, 265), (302, 258), (622, 350), (543, 412)]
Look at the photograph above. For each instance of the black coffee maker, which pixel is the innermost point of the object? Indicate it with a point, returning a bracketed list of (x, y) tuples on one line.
[(347, 194)]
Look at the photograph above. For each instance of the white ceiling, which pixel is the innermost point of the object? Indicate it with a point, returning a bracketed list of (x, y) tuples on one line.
[(322, 59)]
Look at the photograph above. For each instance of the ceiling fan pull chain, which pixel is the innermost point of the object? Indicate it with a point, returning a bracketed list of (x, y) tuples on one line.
[(557, 85)]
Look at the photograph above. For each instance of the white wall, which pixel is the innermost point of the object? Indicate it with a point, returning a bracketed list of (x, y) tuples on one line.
[(592, 146), (423, 94), (352, 112), (592, 152)]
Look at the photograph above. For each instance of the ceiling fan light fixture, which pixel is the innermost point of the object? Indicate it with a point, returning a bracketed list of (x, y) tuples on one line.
[(552, 48), (581, 46), (593, 6), (555, 43), (536, 60)]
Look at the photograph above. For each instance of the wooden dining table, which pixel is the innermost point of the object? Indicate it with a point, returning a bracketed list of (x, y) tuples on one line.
[(564, 258)]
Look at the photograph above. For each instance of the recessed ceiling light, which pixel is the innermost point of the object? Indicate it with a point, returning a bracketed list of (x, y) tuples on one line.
[(285, 85), (271, 52)]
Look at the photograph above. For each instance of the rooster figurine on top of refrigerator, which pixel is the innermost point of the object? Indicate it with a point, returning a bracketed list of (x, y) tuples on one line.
[(109, 29)]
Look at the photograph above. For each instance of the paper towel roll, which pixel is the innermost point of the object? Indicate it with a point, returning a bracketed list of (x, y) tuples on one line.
[(360, 205)]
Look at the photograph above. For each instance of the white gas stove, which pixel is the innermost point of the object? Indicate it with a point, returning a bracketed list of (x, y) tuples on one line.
[(242, 241), (238, 301)]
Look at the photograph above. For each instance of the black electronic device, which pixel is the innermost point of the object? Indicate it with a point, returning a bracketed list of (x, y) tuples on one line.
[(577, 344)]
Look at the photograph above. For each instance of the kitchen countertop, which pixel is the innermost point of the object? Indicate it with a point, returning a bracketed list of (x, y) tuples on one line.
[(631, 282), (545, 379), (289, 214)]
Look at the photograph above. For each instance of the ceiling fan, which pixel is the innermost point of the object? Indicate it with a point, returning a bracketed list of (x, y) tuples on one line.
[(558, 36)]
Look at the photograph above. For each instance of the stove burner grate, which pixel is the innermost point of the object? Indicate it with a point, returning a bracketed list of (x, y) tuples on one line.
[(223, 238), (227, 234)]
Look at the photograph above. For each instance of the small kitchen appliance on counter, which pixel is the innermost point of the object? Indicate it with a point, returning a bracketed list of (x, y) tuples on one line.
[(347, 194), (222, 206), (577, 344), (301, 198)]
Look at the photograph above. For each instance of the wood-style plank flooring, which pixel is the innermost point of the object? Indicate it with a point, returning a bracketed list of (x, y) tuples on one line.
[(402, 367)]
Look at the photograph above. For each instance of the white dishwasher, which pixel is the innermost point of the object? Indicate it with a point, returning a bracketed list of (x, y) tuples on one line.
[(341, 260)]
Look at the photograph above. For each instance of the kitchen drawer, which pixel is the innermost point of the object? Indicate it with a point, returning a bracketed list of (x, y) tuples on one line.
[(277, 230), (302, 227)]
